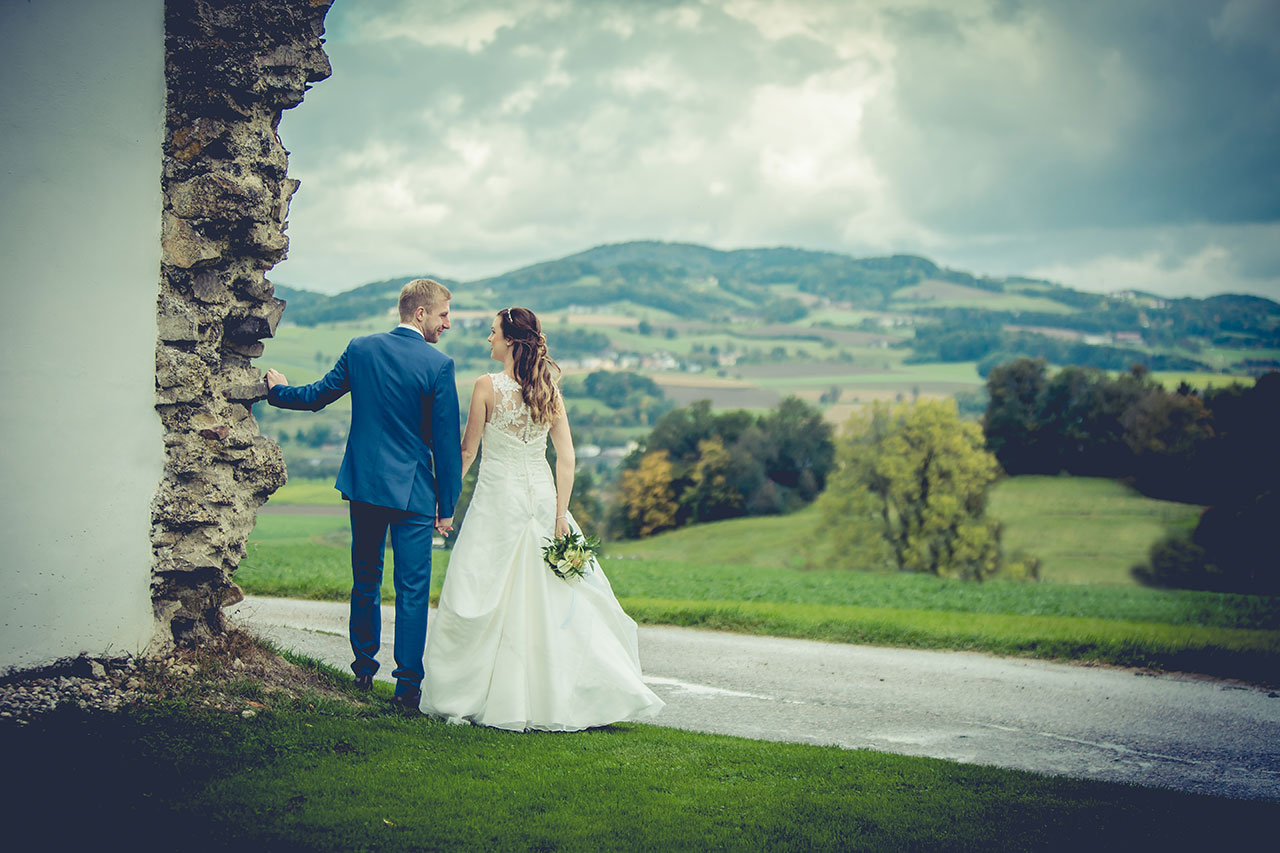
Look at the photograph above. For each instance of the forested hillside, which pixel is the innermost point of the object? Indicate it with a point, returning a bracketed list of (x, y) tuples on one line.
[(955, 316)]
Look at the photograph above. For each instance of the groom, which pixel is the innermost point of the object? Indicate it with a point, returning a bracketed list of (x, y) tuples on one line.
[(402, 470)]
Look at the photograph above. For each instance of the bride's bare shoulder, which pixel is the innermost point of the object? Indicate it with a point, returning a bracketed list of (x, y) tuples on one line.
[(482, 389)]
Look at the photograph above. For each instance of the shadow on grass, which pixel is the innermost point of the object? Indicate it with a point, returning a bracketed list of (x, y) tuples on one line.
[(347, 777)]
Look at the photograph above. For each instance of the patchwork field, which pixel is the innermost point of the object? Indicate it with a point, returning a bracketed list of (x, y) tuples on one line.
[(945, 294)]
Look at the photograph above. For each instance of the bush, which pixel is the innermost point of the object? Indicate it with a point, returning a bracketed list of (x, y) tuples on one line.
[(1231, 550), (1174, 562)]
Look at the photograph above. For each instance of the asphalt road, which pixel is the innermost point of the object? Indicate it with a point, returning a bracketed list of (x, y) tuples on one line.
[(1183, 732)]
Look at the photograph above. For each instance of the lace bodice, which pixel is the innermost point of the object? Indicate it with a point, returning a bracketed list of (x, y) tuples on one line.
[(511, 414)]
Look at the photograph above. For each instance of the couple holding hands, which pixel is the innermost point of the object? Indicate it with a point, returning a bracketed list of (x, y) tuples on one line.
[(513, 645)]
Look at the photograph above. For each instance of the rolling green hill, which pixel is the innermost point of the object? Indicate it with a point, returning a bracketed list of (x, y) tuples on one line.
[(691, 281), (968, 318), (371, 300), (1085, 530)]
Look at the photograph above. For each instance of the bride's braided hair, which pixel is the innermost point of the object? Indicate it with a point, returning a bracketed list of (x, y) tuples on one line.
[(533, 365)]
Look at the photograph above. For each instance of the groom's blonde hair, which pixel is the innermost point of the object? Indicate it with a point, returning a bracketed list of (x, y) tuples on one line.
[(421, 293)]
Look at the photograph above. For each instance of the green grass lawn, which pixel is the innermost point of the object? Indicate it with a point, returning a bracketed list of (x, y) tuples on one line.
[(750, 575), (1084, 529), (1171, 379), (309, 556), (303, 491), (292, 778)]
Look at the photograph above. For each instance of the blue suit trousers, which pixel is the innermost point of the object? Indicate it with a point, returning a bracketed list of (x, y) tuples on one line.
[(411, 537)]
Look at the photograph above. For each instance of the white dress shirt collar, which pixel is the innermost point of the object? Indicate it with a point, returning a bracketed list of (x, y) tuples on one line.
[(415, 328)]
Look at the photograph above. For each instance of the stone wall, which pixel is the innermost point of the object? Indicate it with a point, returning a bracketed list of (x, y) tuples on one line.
[(231, 68)]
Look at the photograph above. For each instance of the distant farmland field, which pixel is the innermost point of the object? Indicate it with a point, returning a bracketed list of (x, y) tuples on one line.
[(723, 393)]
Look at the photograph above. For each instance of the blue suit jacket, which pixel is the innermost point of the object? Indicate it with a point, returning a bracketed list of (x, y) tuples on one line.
[(403, 449)]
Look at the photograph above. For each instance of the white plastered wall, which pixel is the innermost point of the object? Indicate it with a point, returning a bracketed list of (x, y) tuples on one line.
[(82, 94)]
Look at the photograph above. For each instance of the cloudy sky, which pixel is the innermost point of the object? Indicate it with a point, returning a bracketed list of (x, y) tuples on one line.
[(1101, 144)]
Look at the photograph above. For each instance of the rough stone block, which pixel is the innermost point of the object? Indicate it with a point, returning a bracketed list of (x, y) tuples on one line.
[(197, 550), (222, 195), (258, 322), (246, 351), (251, 284), (175, 320), (183, 246), (178, 369), (210, 287), (230, 69), (287, 188), (188, 459), (240, 385), (267, 240)]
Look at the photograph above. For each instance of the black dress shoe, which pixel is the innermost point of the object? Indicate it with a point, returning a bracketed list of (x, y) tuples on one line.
[(364, 683), (408, 703)]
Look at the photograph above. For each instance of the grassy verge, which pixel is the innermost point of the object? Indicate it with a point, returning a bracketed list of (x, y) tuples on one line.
[(1226, 652), (307, 557), (292, 779), (1214, 633), (299, 556), (670, 579), (307, 491)]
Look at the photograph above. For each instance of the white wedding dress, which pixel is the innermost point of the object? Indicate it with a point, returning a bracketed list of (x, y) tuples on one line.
[(512, 645)]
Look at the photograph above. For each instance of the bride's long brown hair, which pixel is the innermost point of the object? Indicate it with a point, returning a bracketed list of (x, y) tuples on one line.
[(533, 366)]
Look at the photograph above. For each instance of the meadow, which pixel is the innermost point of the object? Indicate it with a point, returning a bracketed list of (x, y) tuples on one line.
[(754, 576), (318, 773)]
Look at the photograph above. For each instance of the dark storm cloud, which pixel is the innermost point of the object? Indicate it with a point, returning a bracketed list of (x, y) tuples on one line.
[(1120, 114), (1109, 145)]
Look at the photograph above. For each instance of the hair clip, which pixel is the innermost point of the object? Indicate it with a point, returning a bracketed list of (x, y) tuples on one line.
[(509, 320)]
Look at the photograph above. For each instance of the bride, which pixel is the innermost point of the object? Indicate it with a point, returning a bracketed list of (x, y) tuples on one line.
[(514, 646)]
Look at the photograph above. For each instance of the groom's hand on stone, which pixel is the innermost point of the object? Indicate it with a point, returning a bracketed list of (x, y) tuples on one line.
[(274, 378)]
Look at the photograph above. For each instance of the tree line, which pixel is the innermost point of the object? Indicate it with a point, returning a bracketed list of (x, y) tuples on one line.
[(1231, 320), (993, 346), (698, 465), (1214, 447), (630, 399)]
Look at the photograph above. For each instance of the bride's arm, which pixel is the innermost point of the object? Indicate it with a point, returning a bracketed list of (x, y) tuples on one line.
[(477, 417), (562, 440)]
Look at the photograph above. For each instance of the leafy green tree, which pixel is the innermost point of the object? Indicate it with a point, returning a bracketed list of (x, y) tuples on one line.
[(1163, 431), (1233, 546), (1079, 421), (575, 342), (679, 431), (910, 490), (711, 495), (646, 496), (585, 503), (800, 447), (1012, 421), (618, 388)]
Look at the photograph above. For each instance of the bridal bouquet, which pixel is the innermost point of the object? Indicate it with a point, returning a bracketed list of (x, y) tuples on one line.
[(570, 555)]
